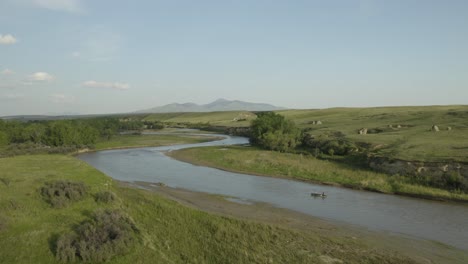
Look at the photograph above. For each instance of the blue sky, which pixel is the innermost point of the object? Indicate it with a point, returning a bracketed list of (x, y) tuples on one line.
[(107, 56)]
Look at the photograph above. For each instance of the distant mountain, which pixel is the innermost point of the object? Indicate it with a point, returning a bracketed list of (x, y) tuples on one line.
[(218, 105)]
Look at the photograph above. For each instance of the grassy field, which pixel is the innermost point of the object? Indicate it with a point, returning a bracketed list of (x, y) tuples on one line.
[(229, 118), (412, 141), (252, 160), (168, 231), (130, 141)]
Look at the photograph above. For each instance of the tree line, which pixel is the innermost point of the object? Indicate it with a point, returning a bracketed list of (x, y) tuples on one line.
[(79, 132)]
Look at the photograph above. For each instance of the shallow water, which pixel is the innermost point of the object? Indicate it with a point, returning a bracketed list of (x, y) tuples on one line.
[(443, 222)]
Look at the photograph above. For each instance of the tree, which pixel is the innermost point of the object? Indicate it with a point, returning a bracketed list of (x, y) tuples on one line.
[(273, 131)]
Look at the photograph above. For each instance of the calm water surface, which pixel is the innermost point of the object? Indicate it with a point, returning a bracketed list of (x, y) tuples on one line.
[(443, 222)]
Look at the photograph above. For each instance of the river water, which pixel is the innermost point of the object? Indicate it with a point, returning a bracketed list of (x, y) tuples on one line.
[(438, 221)]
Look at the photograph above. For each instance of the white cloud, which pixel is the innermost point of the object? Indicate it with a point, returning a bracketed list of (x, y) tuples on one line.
[(112, 85), (73, 6), (7, 39), (7, 72), (61, 98), (41, 76)]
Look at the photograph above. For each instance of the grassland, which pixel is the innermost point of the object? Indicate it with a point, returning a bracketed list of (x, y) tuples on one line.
[(252, 160), (148, 140), (169, 232), (229, 118), (412, 141)]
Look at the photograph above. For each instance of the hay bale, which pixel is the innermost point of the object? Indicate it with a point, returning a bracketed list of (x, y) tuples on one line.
[(435, 128), (363, 131), (449, 128)]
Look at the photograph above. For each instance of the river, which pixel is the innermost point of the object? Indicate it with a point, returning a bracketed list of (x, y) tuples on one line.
[(417, 218)]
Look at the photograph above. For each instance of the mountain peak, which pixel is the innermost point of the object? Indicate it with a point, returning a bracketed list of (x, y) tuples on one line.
[(220, 104)]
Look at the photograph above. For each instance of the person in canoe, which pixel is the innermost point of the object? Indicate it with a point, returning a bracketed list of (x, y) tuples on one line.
[(323, 195)]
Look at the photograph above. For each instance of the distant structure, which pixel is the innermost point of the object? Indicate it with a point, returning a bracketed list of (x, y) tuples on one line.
[(363, 131), (435, 128), (314, 122)]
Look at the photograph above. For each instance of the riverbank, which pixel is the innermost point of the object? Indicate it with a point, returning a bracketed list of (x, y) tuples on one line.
[(168, 231), (152, 140), (422, 251), (254, 161)]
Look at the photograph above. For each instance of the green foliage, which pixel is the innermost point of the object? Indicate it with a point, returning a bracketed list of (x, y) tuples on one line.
[(105, 197), (61, 193), (108, 233), (153, 124), (451, 181), (275, 132), (130, 124), (332, 143), (4, 140)]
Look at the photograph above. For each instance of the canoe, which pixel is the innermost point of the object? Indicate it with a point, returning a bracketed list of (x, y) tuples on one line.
[(316, 194)]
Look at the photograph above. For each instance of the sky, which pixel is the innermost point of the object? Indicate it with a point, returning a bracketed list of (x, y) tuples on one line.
[(114, 56)]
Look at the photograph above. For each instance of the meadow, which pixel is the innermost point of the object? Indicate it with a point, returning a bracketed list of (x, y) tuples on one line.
[(167, 231)]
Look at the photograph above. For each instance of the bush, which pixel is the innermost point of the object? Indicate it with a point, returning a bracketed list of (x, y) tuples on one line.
[(275, 132), (333, 143), (61, 193), (108, 233), (105, 197)]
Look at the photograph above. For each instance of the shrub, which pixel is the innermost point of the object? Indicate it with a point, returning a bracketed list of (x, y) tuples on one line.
[(108, 233), (105, 197), (273, 131), (61, 193), (333, 143)]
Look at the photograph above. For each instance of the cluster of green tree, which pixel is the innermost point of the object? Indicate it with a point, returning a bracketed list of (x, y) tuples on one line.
[(332, 143), (80, 132), (153, 124), (273, 131), (131, 124)]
